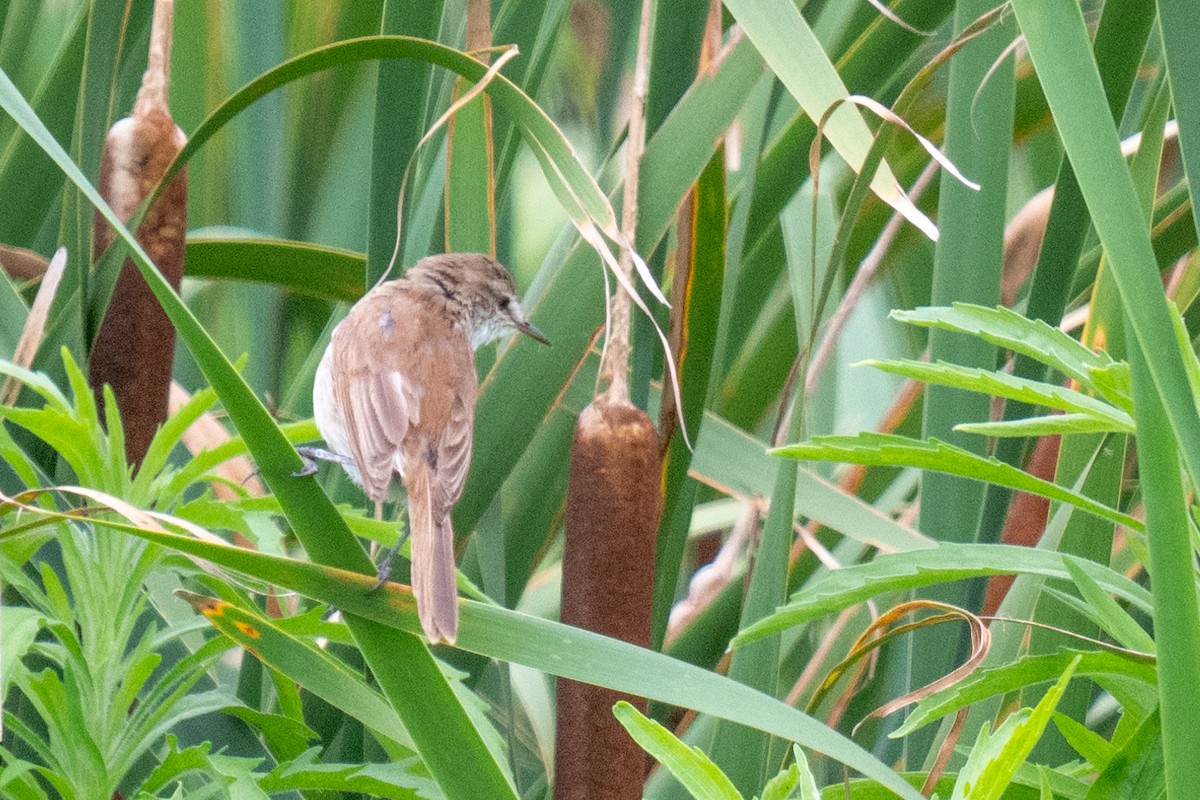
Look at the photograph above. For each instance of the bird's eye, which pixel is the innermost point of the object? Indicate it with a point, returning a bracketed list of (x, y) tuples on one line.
[(505, 302)]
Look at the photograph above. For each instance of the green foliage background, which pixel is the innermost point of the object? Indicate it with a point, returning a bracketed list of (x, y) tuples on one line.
[(302, 117)]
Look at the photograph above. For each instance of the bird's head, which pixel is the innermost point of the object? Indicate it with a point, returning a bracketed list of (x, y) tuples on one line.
[(481, 290)]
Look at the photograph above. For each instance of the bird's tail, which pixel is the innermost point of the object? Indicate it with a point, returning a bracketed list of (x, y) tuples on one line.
[(432, 559)]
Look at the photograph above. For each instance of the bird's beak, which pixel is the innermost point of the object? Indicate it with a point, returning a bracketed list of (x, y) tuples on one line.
[(529, 329)]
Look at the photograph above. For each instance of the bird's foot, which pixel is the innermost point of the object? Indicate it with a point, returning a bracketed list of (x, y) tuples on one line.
[(311, 455), (384, 568)]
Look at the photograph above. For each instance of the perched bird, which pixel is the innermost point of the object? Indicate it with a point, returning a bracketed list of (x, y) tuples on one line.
[(394, 396)]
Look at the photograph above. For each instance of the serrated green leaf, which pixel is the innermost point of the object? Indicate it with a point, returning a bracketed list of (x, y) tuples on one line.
[(401, 779), (549, 646), (1048, 425), (1108, 612), (730, 457), (1136, 770), (830, 592), (879, 449), (782, 785), (1113, 382), (1021, 674), (995, 758), (1011, 387), (1092, 746), (1008, 329), (689, 765)]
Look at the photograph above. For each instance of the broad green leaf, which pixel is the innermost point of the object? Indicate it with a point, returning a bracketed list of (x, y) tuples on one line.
[(315, 670), (565, 299), (326, 272), (1169, 533), (552, 647), (402, 664), (13, 311), (703, 221), (788, 44), (1183, 341), (968, 266), (1178, 22), (470, 206), (401, 84), (733, 460), (1060, 48), (572, 183), (744, 753), (29, 180), (1048, 425)]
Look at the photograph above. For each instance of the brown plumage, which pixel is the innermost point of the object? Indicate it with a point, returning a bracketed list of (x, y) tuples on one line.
[(395, 392)]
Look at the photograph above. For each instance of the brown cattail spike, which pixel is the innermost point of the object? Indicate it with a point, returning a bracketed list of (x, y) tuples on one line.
[(135, 346), (613, 509)]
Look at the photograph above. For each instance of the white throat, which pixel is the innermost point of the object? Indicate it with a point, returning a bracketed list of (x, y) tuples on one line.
[(488, 330)]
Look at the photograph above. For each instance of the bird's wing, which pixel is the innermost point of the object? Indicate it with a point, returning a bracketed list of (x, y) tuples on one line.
[(380, 408), (454, 444)]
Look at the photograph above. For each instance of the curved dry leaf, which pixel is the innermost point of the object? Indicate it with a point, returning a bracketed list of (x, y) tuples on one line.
[(140, 518), (508, 54), (981, 643), (896, 18), (887, 115), (881, 630), (591, 235)]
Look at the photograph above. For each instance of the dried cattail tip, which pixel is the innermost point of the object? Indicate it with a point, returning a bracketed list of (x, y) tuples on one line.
[(135, 346), (613, 507)]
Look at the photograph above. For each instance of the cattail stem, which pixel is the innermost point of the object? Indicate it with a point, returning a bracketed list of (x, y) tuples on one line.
[(152, 95), (615, 366)]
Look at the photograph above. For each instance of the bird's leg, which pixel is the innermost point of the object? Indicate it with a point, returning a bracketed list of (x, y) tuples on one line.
[(384, 568), (311, 455)]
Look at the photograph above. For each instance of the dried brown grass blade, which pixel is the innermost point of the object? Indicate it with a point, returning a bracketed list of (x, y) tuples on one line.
[(207, 433), (882, 630), (35, 324)]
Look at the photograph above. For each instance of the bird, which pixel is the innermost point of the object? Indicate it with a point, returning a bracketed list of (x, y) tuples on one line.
[(394, 399)]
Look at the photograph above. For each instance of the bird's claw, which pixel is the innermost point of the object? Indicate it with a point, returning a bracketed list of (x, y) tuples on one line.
[(311, 455), (384, 568), (309, 468), (381, 576)]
